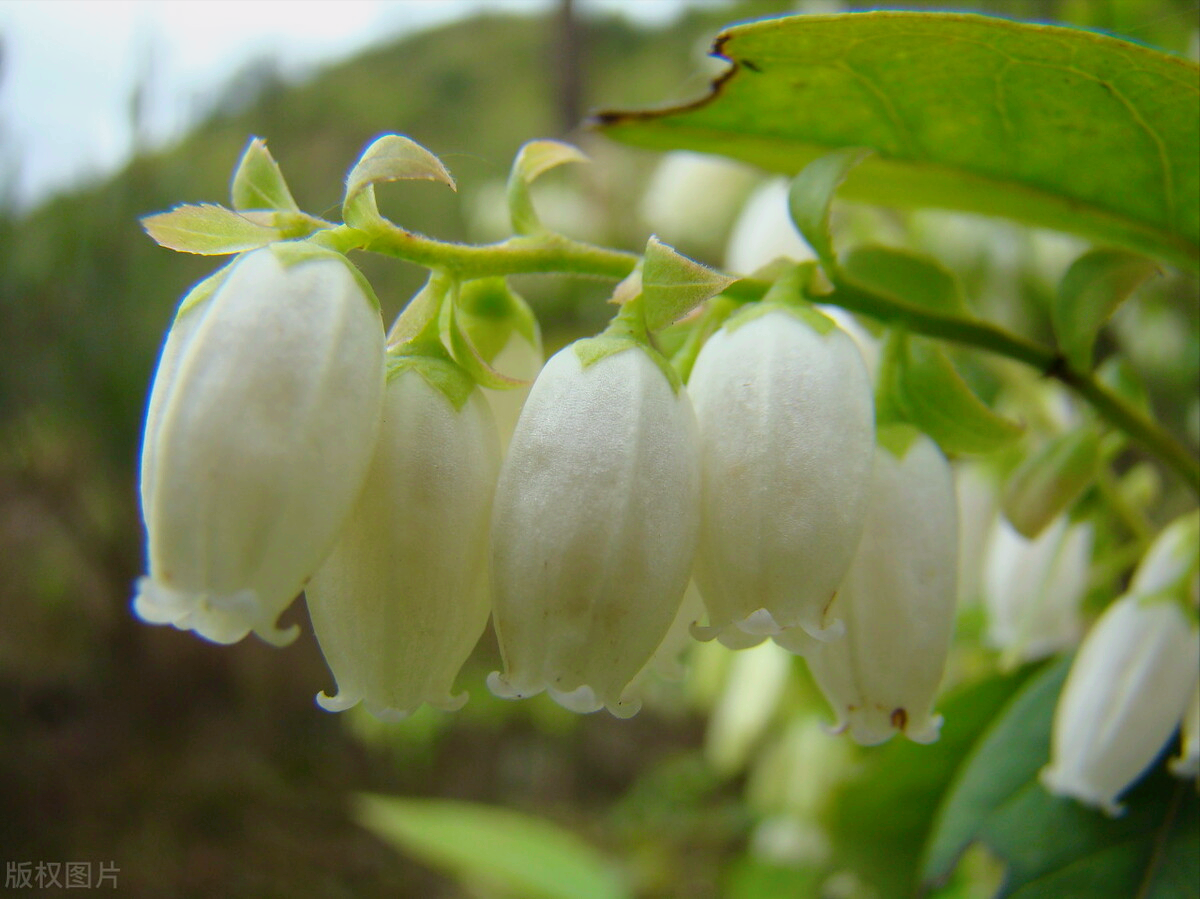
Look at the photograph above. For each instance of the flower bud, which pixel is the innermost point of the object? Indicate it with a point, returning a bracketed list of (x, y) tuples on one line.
[(764, 231), (1124, 696), (897, 599), (260, 428), (786, 436), (1033, 589), (403, 597), (693, 196), (594, 527)]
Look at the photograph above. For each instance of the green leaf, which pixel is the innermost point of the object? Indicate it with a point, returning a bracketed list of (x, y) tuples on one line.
[(208, 230), (1091, 290), (919, 384), (673, 285), (392, 157), (1057, 127), (1055, 847), (1051, 480), (811, 195), (995, 770), (879, 822), (905, 276), (533, 159), (511, 853), (258, 182)]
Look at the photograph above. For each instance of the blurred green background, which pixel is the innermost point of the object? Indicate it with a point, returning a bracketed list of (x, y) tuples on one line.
[(203, 770)]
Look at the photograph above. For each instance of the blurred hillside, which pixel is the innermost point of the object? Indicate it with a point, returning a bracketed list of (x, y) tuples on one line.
[(203, 770)]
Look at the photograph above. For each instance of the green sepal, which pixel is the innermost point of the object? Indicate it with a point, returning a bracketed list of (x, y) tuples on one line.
[(489, 311), (673, 285), (258, 182), (208, 230), (905, 276), (420, 317), (811, 195), (717, 310), (897, 438), (204, 289), (626, 331), (534, 159), (471, 359), (439, 371), (919, 384), (788, 293), (1051, 480), (1091, 290), (392, 157), (294, 252)]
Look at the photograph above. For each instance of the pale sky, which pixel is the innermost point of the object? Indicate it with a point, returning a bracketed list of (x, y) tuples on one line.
[(68, 67)]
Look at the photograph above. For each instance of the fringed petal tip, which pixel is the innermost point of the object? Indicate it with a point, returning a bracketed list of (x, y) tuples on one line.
[(799, 638), (804, 640), (1185, 767), (499, 686), (927, 733), (729, 635), (872, 730), (1059, 783), (339, 702), (385, 713), (582, 700), (220, 618)]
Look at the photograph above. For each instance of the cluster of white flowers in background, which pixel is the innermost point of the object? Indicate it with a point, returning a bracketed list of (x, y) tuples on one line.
[(602, 515)]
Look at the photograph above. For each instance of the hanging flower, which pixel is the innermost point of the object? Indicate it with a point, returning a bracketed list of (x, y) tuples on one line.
[(786, 434), (402, 599), (1033, 589), (1130, 684), (261, 424), (897, 600), (594, 527)]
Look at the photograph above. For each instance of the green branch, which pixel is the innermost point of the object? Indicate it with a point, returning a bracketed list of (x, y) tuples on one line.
[(554, 254)]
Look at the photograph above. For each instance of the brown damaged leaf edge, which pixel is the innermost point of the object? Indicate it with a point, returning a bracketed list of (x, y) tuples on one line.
[(606, 118)]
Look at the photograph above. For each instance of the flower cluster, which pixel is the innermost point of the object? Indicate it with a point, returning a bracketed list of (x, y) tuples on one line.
[(750, 486), (285, 448)]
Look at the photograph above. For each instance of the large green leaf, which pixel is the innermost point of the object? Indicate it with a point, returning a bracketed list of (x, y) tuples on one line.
[(879, 821), (508, 853), (1055, 847), (1052, 126)]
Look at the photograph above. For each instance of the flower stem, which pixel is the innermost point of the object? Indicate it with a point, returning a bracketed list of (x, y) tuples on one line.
[(553, 253)]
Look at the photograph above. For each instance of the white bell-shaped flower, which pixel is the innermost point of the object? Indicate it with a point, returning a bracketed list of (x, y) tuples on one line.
[(1033, 589), (1132, 679), (403, 597), (594, 527), (786, 424), (897, 600), (260, 428)]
